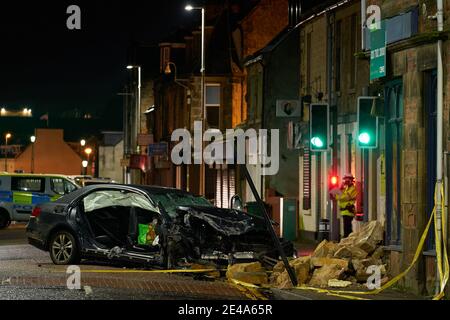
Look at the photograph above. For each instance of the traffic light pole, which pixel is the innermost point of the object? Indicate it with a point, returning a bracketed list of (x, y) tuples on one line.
[(270, 228)]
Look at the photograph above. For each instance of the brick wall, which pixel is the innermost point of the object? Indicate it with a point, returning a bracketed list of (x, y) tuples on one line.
[(263, 23)]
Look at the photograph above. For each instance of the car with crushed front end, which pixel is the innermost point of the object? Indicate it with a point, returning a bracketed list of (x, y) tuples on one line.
[(154, 226)]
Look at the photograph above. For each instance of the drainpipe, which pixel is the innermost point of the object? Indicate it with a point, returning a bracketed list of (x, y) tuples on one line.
[(363, 24), (440, 97)]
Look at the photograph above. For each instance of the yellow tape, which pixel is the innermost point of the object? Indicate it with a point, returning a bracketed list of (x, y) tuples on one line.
[(148, 271), (249, 289)]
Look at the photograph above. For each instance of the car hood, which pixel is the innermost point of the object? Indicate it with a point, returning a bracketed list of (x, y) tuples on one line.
[(225, 221)]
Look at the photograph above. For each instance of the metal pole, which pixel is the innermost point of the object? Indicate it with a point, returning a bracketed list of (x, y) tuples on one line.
[(6, 154), (32, 157), (439, 153), (138, 113), (363, 24), (202, 70)]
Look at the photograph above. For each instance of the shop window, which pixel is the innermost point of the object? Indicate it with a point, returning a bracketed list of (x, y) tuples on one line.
[(212, 105), (394, 134)]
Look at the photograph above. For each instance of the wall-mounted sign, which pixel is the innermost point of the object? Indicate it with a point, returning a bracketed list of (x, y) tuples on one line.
[(378, 52), (158, 149), (144, 139), (289, 108)]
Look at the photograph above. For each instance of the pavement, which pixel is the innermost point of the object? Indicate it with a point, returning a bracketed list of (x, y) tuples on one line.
[(28, 273)]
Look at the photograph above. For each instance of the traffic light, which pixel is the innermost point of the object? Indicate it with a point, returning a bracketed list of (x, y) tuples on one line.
[(334, 182), (319, 121), (367, 123)]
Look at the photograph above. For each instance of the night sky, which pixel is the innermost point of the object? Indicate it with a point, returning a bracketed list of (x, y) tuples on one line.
[(49, 68)]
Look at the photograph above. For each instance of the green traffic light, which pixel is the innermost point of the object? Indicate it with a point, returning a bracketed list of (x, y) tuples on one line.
[(317, 142), (364, 138)]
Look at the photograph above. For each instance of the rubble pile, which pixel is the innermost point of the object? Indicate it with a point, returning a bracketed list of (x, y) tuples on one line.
[(337, 264)]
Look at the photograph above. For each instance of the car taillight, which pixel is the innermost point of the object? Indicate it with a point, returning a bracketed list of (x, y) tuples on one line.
[(36, 212)]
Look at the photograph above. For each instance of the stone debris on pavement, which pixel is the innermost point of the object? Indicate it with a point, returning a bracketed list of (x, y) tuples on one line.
[(253, 273), (334, 283), (339, 264)]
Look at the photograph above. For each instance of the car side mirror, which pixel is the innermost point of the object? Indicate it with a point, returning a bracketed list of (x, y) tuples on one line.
[(236, 203)]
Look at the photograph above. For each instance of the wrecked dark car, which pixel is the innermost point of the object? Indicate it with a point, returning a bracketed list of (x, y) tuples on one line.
[(154, 226)]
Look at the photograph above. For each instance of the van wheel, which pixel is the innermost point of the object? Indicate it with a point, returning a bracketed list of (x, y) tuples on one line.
[(64, 249), (4, 220)]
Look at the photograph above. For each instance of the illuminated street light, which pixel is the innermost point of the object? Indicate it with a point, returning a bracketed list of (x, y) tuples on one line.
[(88, 151), (202, 96), (33, 140), (84, 164), (7, 137), (83, 142)]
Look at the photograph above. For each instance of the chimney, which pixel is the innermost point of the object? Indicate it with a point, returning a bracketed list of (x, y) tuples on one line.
[(295, 10)]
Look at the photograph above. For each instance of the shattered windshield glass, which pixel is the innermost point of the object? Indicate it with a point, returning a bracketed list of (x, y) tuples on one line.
[(115, 198), (171, 200)]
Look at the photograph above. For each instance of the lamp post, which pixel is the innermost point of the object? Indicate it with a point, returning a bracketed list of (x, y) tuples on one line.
[(202, 99), (84, 164), (88, 152), (7, 137), (33, 140), (137, 120)]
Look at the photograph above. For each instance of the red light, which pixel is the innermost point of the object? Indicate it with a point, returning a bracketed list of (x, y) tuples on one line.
[(334, 180), (36, 212)]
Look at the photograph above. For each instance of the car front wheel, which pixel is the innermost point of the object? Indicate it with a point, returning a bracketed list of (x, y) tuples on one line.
[(64, 249), (4, 220)]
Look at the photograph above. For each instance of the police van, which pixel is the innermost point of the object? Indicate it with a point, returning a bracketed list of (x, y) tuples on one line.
[(19, 193)]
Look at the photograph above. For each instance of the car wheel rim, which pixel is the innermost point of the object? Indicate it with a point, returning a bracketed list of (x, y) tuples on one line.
[(62, 248)]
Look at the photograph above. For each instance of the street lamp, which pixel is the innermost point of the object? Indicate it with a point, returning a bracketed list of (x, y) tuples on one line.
[(137, 119), (33, 140), (83, 142), (202, 71), (7, 137), (84, 164)]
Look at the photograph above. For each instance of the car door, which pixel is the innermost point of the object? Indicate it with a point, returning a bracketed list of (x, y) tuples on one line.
[(121, 218), (27, 191)]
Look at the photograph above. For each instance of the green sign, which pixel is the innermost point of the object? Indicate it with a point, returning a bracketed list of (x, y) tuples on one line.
[(378, 52)]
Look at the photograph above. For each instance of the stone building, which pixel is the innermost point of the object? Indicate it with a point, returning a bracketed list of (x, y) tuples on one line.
[(396, 180)]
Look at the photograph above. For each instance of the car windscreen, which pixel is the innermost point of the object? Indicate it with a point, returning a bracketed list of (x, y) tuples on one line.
[(171, 200), (116, 198)]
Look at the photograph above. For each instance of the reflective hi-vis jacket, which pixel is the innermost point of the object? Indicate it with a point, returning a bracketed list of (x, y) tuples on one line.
[(346, 201)]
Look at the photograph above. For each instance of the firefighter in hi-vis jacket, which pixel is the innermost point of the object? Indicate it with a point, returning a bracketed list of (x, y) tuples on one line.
[(346, 199)]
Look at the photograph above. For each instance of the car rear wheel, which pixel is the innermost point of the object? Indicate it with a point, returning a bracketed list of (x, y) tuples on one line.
[(64, 249)]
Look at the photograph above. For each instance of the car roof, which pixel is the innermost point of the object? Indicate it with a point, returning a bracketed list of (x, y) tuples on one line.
[(145, 188), (37, 175)]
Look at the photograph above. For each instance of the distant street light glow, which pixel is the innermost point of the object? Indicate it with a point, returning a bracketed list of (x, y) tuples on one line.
[(33, 139), (88, 151), (83, 142), (189, 8), (84, 163)]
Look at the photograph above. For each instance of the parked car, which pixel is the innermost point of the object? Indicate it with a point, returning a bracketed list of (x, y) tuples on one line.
[(19, 193), (150, 225)]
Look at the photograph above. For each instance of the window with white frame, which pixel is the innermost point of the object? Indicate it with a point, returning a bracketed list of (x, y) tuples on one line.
[(212, 105)]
